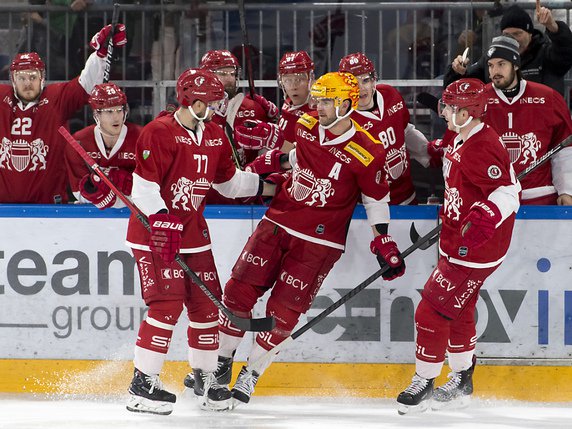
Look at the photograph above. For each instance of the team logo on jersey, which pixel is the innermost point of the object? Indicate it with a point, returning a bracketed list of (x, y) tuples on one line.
[(494, 172), (186, 190), (525, 147), (21, 154), (305, 185), (396, 162), (453, 203)]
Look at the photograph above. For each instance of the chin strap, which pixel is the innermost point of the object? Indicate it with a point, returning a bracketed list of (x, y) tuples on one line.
[(338, 118), (458, 127)]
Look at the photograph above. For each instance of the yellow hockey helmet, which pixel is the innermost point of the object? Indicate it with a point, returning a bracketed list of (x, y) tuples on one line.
[(338, 86)]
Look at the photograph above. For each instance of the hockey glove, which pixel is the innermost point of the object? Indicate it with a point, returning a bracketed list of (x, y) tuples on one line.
[(123, 179), (268, 106), (277, 178), (436, 152), (479, 225), (387, 253), (165, 239), (256, 135), (96, 191), (269, 162), (98, 41)]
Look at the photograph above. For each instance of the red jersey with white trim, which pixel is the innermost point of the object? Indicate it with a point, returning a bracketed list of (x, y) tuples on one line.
[(32, 151), (387, 122), (473, 170), (317, 202), (184, 165), (121, 156), (530, 124), (289, 115)]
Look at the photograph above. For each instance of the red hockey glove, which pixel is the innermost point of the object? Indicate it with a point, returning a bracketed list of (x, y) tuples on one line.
[(98, 40), (479, 225), (387, 253), (165, 236), (268, 106), (266, 163), (277, 178), (436, 152), (123, 179), (256, 135), (96, 191)]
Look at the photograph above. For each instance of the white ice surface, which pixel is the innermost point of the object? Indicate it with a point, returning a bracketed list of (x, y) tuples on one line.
[(27, 412)]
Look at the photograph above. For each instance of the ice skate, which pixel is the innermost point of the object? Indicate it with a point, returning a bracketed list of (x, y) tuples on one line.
[(456, 393), (244, 386), (415, 398), (148, 395), (223, 373), (212, 396)]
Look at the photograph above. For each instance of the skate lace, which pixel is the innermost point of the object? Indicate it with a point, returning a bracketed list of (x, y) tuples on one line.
[(417, 385), (210, 381), (246, 382), (453, 383), (154, 383)]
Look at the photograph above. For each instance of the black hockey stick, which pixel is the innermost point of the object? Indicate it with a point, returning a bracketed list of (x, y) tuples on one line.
[(245, 324), (246, 48), (264, 360), (109, 41), (414, 235)]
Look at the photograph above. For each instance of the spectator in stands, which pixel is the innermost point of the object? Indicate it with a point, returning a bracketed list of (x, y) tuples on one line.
[(545, 58), (111, 142), (32, 167)]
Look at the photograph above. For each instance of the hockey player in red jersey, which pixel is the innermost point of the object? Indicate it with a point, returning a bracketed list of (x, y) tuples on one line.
[(295, 77), (179, 156), (481, 201), (382, 112), (531, 119), (32, 167), (303, 232), (111, 142)]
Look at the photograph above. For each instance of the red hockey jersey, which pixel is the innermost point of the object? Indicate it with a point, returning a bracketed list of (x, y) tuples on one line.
[(387, 123), (289, 115), (121, 156), (476, 170), (330, 173), (181, 166), (32, 167), (531, 124)]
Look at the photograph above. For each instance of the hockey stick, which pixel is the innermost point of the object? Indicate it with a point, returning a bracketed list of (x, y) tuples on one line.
[(414, 235), (246, 48), (245, 324), (428, 100), (264, 360), (109, 56)]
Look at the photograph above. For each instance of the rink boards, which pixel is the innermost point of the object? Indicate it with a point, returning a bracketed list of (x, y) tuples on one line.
[(70, 307)]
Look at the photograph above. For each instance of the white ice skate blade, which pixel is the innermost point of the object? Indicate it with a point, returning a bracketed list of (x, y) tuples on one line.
[(403, 409), (208, 405), (138, 404), (454, 404)]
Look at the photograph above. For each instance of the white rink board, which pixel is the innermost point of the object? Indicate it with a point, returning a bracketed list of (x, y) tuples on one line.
[(54, 303)]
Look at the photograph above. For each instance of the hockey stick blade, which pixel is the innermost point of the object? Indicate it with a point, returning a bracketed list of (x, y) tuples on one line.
[(244, 324), (414, 235), (262, 362), (109, 42)]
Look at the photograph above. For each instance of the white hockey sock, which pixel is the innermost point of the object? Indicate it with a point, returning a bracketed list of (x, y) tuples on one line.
[(228, 344), (203, 359), (428, 369), (148, 361), (460, 361), (256, 353)]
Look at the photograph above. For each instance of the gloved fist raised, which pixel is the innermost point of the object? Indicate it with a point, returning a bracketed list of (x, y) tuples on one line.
[(256, 135), (388, 254), (123, 179), (96, 191), (436, 152), (266, 163), (165, 239), (268, 106), (99, 40), (479, 225)]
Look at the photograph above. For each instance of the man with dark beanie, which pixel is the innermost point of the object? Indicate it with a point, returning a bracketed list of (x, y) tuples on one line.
[(545, 57), (531, 119)]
